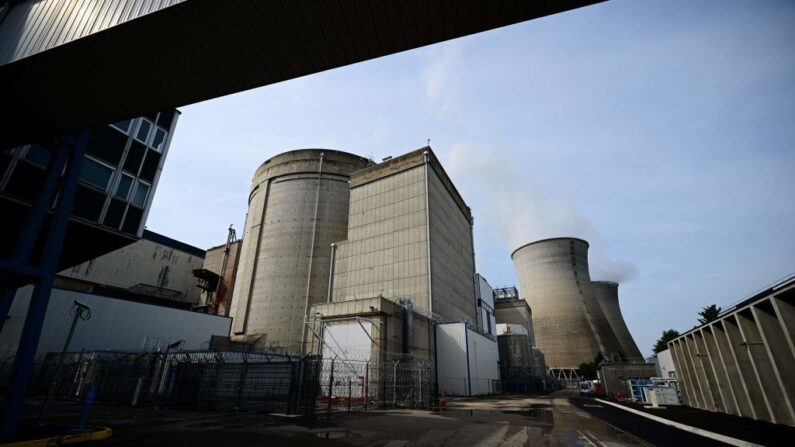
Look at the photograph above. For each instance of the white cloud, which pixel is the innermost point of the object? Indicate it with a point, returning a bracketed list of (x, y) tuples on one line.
[(514, 206)]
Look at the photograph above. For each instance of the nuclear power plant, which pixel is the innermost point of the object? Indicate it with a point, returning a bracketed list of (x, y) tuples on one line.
[(570, 324), (298, 206), (607, 296)]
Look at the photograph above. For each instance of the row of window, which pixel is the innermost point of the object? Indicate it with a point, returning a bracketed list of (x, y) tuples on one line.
[(144, 131), (99, 174)]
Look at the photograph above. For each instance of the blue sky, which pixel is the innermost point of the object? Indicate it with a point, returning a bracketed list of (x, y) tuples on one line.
[(663, 132)]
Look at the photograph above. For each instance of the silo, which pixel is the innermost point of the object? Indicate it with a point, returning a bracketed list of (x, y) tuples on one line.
[(298, 206), (570, 327), (607, 295)]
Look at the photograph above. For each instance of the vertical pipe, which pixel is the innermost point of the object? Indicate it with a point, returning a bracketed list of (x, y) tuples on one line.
[(330, 385), (331, 271), (466, 352), (311, 252)]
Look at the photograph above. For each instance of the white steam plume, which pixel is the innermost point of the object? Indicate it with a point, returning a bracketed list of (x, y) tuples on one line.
[(519, 208)]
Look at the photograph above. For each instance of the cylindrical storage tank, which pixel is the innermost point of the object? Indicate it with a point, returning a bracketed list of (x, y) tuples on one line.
[(298, 206), (570, 327), (606, 293)]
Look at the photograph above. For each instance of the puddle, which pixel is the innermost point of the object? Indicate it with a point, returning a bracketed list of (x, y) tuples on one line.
[(542, 415)]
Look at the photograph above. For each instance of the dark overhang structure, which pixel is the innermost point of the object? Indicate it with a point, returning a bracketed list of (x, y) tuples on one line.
[(67, 65)]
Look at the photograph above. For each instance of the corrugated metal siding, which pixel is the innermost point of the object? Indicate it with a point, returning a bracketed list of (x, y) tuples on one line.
[(37, 25)]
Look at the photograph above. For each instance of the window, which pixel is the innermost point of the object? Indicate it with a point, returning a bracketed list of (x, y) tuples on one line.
[(159, 140), (123, 189), (141, 191), (143, 131), (95, 173), (123, 126)]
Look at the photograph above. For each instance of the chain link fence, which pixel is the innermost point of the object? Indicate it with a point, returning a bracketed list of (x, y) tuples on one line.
[(225, 380)]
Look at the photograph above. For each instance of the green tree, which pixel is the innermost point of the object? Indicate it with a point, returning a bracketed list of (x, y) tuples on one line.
[(588, 370), (709, 313), (662, 343)]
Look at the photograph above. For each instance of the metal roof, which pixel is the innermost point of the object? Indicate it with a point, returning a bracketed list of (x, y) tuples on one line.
[(72, 68)]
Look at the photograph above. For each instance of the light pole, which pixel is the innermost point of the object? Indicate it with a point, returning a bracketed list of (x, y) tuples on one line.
[(79, 311)]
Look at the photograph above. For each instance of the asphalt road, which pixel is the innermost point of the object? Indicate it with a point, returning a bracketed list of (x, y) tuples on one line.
[(650, 431)]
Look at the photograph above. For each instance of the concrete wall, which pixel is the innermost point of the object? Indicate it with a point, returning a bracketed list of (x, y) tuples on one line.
[(467, 360), (386, 252), (115, 324), (298, 206), (151, 261), (606, 293), (742, 362), (615, 377), (387, 329), (554, 279), (515, 312)]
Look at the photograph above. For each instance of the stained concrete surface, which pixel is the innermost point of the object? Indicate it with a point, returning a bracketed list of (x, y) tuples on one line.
[(499, 421)]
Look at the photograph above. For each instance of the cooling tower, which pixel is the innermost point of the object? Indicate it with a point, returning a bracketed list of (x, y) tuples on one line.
[(607, 295), (298, 206), (569, 324)]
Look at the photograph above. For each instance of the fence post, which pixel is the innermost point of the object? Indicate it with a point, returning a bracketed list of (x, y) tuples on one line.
[(366, 383), (349, 394), (243, 372), (330, 384), (394, 384)]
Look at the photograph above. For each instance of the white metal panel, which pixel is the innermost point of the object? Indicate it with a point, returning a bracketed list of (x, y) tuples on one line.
[(348, 341), (114, 325), (483, 368), (511, 328), (667, 367), (451, 358)]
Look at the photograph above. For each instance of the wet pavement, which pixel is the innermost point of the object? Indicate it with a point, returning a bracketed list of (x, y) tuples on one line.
[(562, 419)]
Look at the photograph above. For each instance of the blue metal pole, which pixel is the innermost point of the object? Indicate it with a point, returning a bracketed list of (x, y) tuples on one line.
[(32, 228), (31, 331)]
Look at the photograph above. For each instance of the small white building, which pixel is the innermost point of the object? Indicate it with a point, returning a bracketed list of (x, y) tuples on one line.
[(467, 360)]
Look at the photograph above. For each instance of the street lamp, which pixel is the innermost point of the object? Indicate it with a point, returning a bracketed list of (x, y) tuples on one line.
[(79, 311)]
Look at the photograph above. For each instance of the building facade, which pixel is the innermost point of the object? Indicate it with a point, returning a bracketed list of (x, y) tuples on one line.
[(742, 362), (298, 206), (119, 176)]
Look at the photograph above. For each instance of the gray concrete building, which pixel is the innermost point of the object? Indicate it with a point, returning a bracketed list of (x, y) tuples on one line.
[(409, 236), (298, 206), (607, 296), (742, 362), (569, 324), (409, 241)]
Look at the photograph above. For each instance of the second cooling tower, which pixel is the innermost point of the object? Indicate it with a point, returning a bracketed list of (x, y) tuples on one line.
[(569, 324), (607, 295), (298, 206)]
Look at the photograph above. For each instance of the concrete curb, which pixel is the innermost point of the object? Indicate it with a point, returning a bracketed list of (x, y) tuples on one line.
[(698, 431), (100, 434)]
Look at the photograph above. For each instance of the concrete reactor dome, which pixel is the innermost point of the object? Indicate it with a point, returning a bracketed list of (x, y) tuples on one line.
[(298, 206), (607, 295), (569, 324)]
